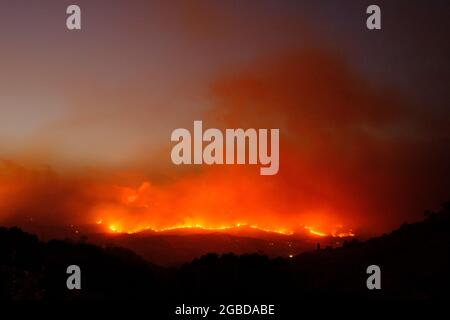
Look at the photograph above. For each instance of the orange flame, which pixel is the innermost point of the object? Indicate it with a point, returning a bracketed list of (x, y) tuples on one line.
[(315, 232), (114, 228)]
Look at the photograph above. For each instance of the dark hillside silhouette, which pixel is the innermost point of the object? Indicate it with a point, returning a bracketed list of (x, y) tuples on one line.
[(414, 262)]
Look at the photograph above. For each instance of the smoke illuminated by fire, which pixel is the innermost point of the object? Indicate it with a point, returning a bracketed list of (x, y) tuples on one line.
[(340, 169), (119, 225), (119, 217), (114, 228), (207, 201), (359, 152)]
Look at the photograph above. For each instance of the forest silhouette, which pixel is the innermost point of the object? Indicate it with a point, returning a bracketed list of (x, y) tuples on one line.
[(414, 262)]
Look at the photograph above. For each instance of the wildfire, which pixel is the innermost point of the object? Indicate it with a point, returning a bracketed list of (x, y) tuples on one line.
[(113, 217), (152, 208), (334, 234), (343, 234), (114, 228), (315, 232)]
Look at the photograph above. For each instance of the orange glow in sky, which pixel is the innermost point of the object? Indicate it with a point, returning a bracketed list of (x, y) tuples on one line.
[(362, 147)]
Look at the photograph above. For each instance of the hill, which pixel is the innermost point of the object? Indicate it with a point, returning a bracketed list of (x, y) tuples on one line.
[(414, 262)]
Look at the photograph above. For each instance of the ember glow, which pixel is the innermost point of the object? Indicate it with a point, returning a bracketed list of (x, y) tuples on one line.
[(315, 232), (115, 229)]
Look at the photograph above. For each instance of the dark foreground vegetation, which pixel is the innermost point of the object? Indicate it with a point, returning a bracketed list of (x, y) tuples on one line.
[(414, 262)]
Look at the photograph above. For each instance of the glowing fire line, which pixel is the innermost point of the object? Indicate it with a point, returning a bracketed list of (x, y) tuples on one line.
[(115, 229), (333, 234)]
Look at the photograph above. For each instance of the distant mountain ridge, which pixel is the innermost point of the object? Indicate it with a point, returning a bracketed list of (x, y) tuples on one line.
[(174, 247)]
